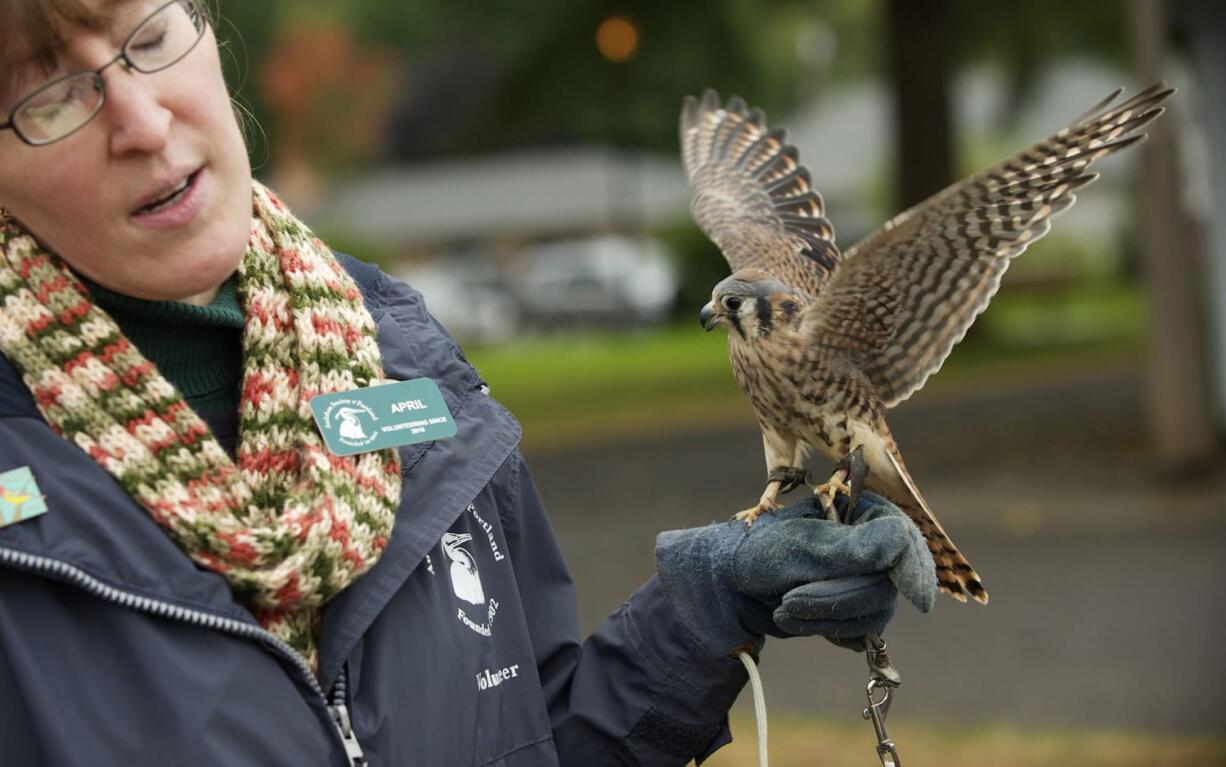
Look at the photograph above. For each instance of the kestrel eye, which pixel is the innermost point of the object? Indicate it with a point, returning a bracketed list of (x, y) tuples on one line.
[(731, 303)]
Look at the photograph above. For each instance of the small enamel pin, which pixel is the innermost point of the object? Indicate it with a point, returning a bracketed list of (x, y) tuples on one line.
[(20, 498)]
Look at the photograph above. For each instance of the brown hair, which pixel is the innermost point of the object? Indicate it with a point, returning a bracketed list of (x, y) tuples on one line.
[(30, 31)]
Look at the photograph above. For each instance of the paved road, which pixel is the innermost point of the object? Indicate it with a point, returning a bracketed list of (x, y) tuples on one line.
[(1108, 583)]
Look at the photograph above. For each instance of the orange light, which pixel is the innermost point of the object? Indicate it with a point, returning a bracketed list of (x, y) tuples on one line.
[(617, 38)]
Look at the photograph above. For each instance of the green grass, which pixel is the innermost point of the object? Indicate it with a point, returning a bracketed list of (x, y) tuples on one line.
[(797, 742), (578, 387), (1063, 314)]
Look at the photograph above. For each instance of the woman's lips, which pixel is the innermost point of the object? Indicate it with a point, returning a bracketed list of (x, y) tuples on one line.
[(182, 211)]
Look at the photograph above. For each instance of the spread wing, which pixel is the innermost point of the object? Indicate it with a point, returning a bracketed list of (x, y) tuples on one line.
[(946, 255), (752, 196)]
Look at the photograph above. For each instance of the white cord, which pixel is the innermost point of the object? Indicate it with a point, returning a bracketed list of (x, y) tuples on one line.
[(759, 703)]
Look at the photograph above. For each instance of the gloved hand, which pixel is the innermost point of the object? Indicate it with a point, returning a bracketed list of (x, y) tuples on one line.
[(795, 573)]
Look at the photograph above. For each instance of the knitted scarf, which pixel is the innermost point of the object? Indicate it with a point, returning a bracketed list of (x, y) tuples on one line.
[(288, 524)]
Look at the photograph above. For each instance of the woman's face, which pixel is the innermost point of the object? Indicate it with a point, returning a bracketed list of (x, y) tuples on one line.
[(87, 196)]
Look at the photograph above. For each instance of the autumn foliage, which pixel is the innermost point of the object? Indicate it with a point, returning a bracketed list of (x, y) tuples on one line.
[(327, 94)]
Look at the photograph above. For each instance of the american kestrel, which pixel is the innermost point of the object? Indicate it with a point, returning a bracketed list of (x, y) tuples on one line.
[(823, 342)]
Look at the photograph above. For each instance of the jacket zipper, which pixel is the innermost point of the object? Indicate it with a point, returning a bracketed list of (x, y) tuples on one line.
[(337, 708)]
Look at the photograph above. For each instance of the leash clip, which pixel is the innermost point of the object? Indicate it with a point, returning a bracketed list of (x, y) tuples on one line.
[(877, 711), (886, 679)]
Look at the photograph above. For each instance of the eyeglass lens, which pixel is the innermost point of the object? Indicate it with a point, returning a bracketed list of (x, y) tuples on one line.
[(64, 105)]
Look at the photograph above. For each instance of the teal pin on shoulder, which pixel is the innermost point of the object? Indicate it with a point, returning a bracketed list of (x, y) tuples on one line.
[(20, 498)]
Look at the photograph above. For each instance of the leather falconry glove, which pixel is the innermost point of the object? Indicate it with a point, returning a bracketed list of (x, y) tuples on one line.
[(796, 573)]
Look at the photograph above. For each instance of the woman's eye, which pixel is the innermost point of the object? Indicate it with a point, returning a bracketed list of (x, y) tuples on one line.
[(52, 103), (47, 113), (148, 43), (151, 36)]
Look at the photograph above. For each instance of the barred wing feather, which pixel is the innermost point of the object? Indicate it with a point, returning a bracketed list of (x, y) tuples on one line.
[(947, 254), (752, 196)]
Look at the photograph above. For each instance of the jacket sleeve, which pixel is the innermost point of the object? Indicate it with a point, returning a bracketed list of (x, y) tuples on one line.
[(640, 690)]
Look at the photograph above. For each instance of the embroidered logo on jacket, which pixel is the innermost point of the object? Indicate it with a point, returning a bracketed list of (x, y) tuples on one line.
[(476, 609), (465, 580)]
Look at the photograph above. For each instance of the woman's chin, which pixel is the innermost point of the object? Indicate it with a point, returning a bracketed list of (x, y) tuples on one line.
[(203, 298), (201, 293), (195, 285)]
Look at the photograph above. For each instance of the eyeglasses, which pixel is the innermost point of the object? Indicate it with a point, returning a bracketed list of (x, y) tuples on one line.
[(63, 106)]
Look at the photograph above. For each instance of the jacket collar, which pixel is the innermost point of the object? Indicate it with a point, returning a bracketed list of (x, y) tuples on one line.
[(94, 526)]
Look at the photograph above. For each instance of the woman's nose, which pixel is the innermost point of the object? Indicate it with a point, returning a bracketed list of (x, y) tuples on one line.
[(138, 120)]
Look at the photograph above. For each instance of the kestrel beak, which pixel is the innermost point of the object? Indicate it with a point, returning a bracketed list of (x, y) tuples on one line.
[(708, 318)]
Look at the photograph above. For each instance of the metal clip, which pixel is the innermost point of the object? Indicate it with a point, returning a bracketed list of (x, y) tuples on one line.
[(877, 711), (884, 677)]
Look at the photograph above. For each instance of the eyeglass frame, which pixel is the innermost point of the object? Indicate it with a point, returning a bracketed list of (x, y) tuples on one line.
[(100, 84)]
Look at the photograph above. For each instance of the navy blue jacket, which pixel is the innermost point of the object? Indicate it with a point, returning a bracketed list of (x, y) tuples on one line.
[(460, 647)]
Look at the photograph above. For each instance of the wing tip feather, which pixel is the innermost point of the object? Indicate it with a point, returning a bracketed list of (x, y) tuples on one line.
[(730, 156)]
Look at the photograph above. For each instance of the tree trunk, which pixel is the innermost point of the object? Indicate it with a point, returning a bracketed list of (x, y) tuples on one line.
[(1177, 401), (918, 35), (1206, 25)]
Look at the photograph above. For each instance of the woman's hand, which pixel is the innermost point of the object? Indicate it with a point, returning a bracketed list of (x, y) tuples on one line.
[(795, 573)]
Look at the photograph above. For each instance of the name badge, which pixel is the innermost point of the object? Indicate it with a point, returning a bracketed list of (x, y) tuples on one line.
[(391, 415)]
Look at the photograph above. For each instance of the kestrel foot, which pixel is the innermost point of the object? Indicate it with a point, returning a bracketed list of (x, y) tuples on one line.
[(790, 477), (749, 515), (826, 492), (766, 504), (848, 479)]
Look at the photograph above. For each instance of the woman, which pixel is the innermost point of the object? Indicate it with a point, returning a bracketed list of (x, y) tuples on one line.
[(202, 581)]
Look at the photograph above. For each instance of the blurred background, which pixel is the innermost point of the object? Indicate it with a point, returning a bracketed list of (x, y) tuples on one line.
[(517, 162)]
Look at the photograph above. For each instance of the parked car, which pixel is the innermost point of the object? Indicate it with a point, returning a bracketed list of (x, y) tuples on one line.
[(469, 295), (601, 281)]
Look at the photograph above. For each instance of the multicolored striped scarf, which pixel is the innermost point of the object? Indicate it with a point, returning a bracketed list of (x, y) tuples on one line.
[(287, 524)]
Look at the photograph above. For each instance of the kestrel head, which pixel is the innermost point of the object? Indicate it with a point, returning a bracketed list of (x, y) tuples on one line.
[(752, 303)]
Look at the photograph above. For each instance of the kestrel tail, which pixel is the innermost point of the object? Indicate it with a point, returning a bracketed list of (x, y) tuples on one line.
[(823, 342)]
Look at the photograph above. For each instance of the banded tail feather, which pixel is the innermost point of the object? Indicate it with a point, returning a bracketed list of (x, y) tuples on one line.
[(955, 575)]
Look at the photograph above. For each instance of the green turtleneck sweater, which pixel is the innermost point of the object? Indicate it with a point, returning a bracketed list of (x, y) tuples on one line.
[(196, 348)]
